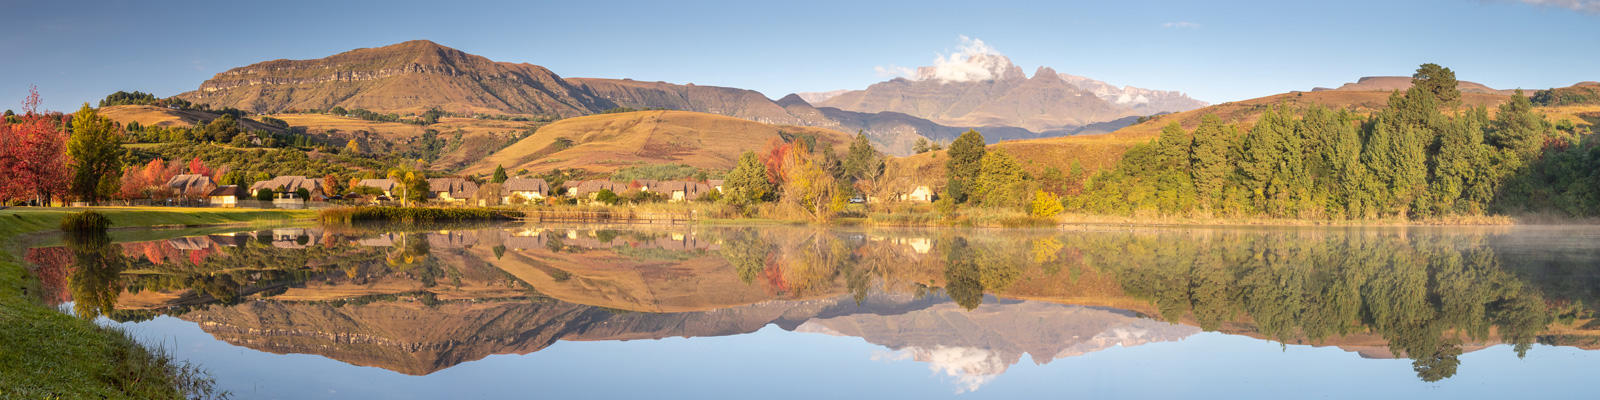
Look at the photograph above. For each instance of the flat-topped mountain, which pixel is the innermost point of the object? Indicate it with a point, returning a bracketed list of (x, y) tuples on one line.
[(1401, 83), (406, 77), (414, 76)]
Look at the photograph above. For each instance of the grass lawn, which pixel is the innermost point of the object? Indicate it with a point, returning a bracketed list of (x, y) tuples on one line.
[(48, 354)]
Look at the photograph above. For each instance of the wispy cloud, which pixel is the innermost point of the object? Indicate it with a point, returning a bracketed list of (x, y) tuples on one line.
[(1181, 25), (1583, 6)]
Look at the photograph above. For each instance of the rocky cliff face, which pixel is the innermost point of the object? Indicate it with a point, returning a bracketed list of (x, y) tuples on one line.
[(1142, 101), (414, 76), (410, 76)]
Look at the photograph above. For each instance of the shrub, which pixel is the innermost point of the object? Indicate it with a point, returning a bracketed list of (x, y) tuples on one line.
[(87, 221), (413, 214), (1045, 205), (264, 195)]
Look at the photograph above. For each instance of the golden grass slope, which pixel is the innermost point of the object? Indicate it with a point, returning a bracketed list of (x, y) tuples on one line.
[(1098, 152), (607, 142), (169, 118)]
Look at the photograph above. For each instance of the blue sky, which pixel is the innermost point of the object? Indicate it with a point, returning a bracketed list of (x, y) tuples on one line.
[(78, 51)]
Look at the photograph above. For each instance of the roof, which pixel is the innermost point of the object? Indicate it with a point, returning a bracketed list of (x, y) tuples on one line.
[(584, 188), (288, 183), (228, 190), (456, 187), (691, 190), (386, 185), (525, 185), (189, 182)]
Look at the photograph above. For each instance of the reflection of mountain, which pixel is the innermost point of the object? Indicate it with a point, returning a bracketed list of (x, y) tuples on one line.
[(417, 302), (413, 338), (975, 346)]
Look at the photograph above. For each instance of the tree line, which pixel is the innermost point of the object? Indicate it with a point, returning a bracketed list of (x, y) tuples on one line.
[(1423, 155)]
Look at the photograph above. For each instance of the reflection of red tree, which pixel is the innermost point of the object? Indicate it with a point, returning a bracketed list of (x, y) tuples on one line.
[(52, 265), (160, 252), (773, 275)]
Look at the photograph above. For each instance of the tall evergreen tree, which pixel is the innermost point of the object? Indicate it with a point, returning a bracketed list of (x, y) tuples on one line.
[(1518, 129), (499, 174), (1208, 158), (862, 162), (1438, 81)]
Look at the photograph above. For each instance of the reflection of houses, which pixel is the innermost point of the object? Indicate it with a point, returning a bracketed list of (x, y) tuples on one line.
[(286, 188), (921, 245), (451, 189), (523, 188), (296, 238), (533, 240), (226, 195)]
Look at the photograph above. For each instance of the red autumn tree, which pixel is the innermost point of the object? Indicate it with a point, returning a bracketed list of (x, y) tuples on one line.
[(198, 167), (32, 156)]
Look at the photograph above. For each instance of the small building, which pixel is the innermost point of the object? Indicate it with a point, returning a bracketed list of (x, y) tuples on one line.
[(286, 187), (715, 184), (226, 195), (190, 186), (525, 188), (387, 186), (588, 189), (451, 189), (921, 194), (676, 191)]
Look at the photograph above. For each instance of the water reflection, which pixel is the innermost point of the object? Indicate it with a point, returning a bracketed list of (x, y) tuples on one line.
[(967, 303)]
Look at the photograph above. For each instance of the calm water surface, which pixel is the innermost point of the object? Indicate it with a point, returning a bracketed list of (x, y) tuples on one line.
[(788, 312)]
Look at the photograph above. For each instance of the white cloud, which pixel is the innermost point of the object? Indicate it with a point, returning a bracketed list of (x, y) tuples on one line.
[(1586, 6), (1181, 25), (970, 367), (973, 60)]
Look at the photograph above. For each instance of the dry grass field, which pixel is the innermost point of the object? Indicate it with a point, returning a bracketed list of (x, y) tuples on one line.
[(607, 142)]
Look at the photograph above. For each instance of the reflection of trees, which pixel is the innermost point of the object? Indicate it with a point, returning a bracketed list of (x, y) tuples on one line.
[(1422, 295), (94, 282)]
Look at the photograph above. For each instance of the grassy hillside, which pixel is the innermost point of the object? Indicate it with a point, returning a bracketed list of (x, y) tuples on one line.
[(608, 142), (1096, 152), (477, 137), (171, 118)]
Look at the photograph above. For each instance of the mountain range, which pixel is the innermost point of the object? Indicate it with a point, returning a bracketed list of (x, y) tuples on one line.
[(414, 76)]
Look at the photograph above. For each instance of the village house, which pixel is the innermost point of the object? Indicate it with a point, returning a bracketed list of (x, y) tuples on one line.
[(715, 184), (587, 190), (451, 189), (387, 186), (190, 186), (676, 191), (284, 188), (525, 188), (226, 195), (920, 194)]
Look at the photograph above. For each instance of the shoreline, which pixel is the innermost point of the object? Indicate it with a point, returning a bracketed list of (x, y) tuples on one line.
[(50, 354)]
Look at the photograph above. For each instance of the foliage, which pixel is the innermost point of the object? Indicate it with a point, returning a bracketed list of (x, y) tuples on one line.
[(499, 174), (662, 172), (86, 221), (1408, 160), (32, 159), (95, 149), (414, 214), (964, 164), (1045, 205), (747, 184)]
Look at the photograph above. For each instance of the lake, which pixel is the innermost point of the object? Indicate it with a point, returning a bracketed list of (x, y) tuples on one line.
[(591, 311)]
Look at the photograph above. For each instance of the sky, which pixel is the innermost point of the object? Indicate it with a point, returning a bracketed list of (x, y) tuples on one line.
[(79, 51)]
